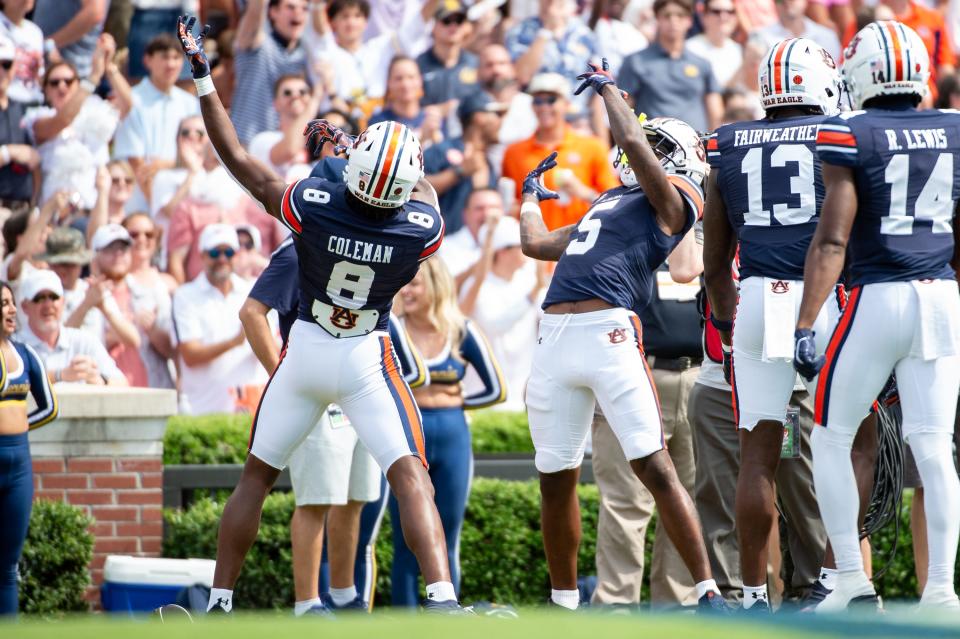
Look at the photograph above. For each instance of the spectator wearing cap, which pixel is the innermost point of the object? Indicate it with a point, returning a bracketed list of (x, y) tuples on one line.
[(456, 167), (503, 295), (19, 181), (268, 45), (666, 78), (719, 19), (583, 169), (284, 149), (147, 137), (113, 308), (72, 28), (27, 39), (461, 249), (215, 359), (66, 255), (249, 261), (553, 41), (336, 38), (449, 72), (69, 354)]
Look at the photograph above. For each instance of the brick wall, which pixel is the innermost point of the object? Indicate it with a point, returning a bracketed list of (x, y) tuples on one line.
[(124, 495)]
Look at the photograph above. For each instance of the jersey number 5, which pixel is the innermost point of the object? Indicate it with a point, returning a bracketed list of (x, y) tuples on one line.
[(800, 184), (591, 226)]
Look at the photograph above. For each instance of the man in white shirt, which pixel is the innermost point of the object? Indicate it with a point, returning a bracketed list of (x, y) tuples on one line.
[(147, 137), (28, 65), (719, 18), (794, 23), (219, 372), (460, 251), (284, 150), (69, 354), (503, 297)]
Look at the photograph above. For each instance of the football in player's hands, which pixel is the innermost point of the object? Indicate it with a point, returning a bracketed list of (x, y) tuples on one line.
[(193, 46), (805, 358), (532, 183)]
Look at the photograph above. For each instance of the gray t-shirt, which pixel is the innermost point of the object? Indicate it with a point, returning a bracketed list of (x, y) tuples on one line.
[(52, 15), (662, 86)]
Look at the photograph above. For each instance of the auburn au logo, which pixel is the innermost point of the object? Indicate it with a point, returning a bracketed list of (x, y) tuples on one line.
[(343, 318), (779, 287), (617, 335)]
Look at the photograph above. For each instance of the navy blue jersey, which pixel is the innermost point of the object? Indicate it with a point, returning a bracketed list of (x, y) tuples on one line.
[(768, 174), (329, 168), (617, 247), (351, 265), (279, 286), (907, 175)]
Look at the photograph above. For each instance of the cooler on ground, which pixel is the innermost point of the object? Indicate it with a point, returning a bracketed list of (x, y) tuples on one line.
[(142, 584)]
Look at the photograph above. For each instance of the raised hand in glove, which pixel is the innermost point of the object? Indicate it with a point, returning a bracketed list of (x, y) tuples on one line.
[(532, 183), (320, 132), (193, 46), (805, 358), (596, 77)]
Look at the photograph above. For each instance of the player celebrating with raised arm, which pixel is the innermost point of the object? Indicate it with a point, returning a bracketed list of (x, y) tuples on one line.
[(358, 242), (590, 344), (892, 182)]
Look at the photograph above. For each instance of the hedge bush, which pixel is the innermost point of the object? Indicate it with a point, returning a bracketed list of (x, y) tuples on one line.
[(501, 551), (53, 567), (222, 439)]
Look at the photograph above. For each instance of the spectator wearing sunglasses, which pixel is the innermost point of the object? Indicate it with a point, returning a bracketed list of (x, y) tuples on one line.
[(719, 19), (215, 359), (18, 157), (70, 355), (115, 184), (284, 150), (249, 261)]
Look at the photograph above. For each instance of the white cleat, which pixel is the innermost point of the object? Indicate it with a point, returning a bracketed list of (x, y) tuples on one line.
[(939, 598), (852, 590)]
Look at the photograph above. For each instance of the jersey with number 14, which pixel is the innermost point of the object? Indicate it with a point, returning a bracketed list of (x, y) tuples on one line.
[(351, 263), (769, 178), (907, 172), (617, 247)]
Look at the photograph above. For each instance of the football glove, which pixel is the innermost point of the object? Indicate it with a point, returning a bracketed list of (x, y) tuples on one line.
[(805, 359), (320, 132), (727, 363), (596, 77), (193, 46), (533, 184)]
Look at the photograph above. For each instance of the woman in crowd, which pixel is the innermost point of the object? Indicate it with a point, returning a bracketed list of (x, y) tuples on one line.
[(23, 373), (73, 129), (448, 343), (401, 103)]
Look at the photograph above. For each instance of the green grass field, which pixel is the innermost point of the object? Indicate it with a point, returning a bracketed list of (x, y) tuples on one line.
[(531, 625)]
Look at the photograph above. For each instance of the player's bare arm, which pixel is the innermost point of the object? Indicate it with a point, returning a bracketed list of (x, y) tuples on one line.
[(261, 182), (535, 240), (424, 192), (828, 248), (719, 248), (629, 135)]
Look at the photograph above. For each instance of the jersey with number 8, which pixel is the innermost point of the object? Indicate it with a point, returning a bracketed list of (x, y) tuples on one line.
[(618, 246), (908, 180), (769, 177), (351, 266)]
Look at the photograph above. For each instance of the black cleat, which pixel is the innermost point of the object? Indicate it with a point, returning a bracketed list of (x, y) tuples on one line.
[(712, 604), (357, 605)]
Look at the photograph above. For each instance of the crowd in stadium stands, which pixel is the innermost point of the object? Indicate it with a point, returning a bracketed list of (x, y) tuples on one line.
[(131, 250)]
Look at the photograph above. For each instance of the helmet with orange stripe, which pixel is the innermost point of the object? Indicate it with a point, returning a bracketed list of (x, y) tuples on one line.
[(799, 72), (885, 58), (384, 164)]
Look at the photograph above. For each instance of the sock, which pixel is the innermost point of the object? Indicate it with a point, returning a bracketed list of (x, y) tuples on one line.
[(708, 585), (441, 591), (569, 599), (343, 596), (828, 578), (934, 457), (837, 494), (754, 595), (222, 596), (301, 607)]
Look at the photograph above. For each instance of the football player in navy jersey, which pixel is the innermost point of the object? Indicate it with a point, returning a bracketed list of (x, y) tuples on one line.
[(590, 346), (358, 241), (763, 198), (892, 181)]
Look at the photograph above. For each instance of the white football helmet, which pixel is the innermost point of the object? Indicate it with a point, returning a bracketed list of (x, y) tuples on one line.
[(799, 72), (885, 58), (676, 144), (384, 164)]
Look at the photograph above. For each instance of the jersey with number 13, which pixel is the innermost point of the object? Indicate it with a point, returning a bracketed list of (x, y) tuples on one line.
[(907, 175), (349, 263), (617, 247)]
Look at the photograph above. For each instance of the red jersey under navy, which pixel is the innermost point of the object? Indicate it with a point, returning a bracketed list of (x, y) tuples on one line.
[(907, 175), (617, 247), (350, 262), (769, 178)]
